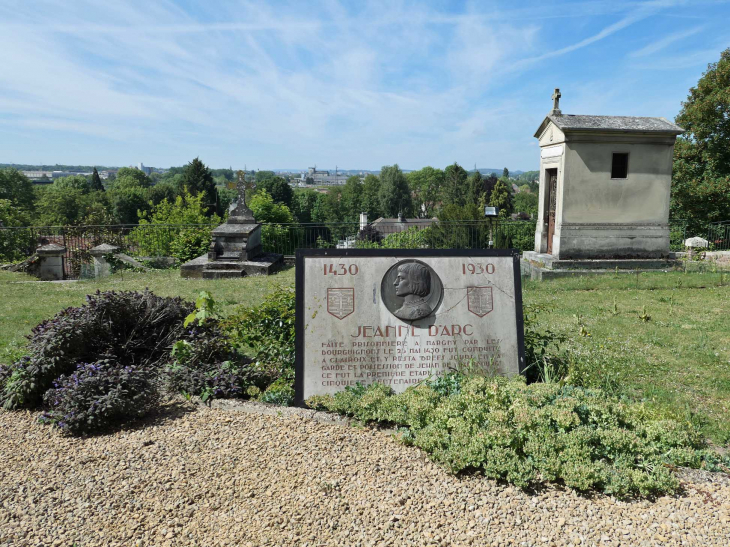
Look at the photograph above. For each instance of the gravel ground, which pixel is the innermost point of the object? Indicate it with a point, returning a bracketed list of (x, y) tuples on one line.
[(210, 477)]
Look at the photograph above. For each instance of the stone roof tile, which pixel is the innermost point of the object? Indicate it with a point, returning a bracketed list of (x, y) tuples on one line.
[(574, 122)]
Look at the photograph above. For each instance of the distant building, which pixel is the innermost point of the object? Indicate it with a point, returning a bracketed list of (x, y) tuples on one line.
[(387, 226), (141, 167), (323, 178), (39, 176)]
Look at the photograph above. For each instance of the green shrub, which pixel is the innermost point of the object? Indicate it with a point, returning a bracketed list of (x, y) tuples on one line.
[(180, 228), (533, 434), (281, 392), (267, 331)]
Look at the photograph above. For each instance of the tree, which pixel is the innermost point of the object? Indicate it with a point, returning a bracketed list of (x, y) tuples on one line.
[(455, 177), (12, 216), (328, 207), (351, 199), (264, 209), (370, 203), (501, 197), (427, 185), (488, 184), (17, 189), (96, 184), (182, 209), (196, 178), (62, 206), (395, 195), (303, 204), (505, 173), (74, 182), (277, 188), (128, 202), (701, 178), (135, 174), (526, 202), (263, 175), (474, 188)]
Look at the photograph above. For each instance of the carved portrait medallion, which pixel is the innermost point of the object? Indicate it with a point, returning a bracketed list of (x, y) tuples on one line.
[(411, 290)]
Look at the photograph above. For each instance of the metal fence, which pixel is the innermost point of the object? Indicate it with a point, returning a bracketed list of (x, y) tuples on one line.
[(155, 240), (140, 240), (718, 236), (286, 238)]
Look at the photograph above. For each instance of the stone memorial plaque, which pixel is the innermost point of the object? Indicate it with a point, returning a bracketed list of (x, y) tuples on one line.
[(399, 316)]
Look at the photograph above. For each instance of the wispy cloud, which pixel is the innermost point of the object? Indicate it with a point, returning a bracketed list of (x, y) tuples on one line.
[(665, 42), (287, 83)]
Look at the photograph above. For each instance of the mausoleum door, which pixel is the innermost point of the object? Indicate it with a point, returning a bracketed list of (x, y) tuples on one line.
[(552, 206)]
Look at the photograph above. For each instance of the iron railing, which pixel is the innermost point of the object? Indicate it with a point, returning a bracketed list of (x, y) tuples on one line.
[(140, 240), (718, 236), (163, 240), (286, 238)]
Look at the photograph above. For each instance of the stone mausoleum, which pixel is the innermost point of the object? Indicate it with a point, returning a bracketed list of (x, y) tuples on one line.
[(604, 192)]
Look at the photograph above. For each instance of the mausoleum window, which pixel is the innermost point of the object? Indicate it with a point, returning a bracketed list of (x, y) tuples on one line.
[(620, 165)]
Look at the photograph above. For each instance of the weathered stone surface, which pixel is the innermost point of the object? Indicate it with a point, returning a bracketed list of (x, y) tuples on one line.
[(201, 268), (103, 249), (696, 243), (588, 210), (361, 323), (51, 262)]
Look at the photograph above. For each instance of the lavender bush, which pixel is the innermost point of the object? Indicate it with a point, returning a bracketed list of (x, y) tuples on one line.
[(134, 328), (99, 394)]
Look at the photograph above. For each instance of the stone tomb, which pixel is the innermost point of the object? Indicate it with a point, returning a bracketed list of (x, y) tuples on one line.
[(400, 316), (235, 249), (604, 193)]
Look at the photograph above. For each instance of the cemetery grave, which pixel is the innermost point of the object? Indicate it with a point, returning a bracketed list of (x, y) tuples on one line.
[(186, 473)]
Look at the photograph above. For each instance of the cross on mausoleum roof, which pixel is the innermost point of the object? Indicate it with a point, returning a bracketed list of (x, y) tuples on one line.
[(556, 102)]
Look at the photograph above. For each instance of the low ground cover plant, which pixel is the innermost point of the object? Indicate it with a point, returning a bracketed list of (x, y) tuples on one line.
[(534, 434)]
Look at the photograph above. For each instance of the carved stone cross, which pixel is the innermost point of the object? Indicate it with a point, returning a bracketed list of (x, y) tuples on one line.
[(242, 185), (239, 209), (556, 101)]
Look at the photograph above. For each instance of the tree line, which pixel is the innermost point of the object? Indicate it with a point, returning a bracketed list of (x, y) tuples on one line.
[(700, 185), (133, 196)]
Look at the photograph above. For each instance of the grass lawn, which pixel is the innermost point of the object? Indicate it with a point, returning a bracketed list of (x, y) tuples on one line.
[(677, 358), (25, 302)]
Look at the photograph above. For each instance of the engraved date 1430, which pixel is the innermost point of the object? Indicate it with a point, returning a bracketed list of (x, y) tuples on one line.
[(340, 269)]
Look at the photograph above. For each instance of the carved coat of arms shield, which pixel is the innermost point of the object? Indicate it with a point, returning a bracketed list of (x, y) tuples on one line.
[(340, 302), (479, 300)]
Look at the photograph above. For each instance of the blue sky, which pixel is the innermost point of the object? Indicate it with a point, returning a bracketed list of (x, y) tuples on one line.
[(356, 84)]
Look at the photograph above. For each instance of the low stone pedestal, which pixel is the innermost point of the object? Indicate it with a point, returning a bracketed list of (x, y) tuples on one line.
[(51, 262), (201, 268), (102, 267), (539, 266)]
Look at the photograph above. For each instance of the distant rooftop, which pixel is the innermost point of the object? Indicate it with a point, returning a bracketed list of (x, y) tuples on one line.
[(574, 122), (393, 225)]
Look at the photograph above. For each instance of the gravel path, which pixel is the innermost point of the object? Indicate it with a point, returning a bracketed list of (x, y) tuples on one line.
[(209, 477)]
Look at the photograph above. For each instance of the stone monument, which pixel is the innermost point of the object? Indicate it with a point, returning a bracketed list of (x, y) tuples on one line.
[(235, 249), (604, 193), (399, 317), (52, 257)]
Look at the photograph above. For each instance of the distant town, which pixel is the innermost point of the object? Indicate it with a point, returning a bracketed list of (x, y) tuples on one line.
[(312, 176)]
